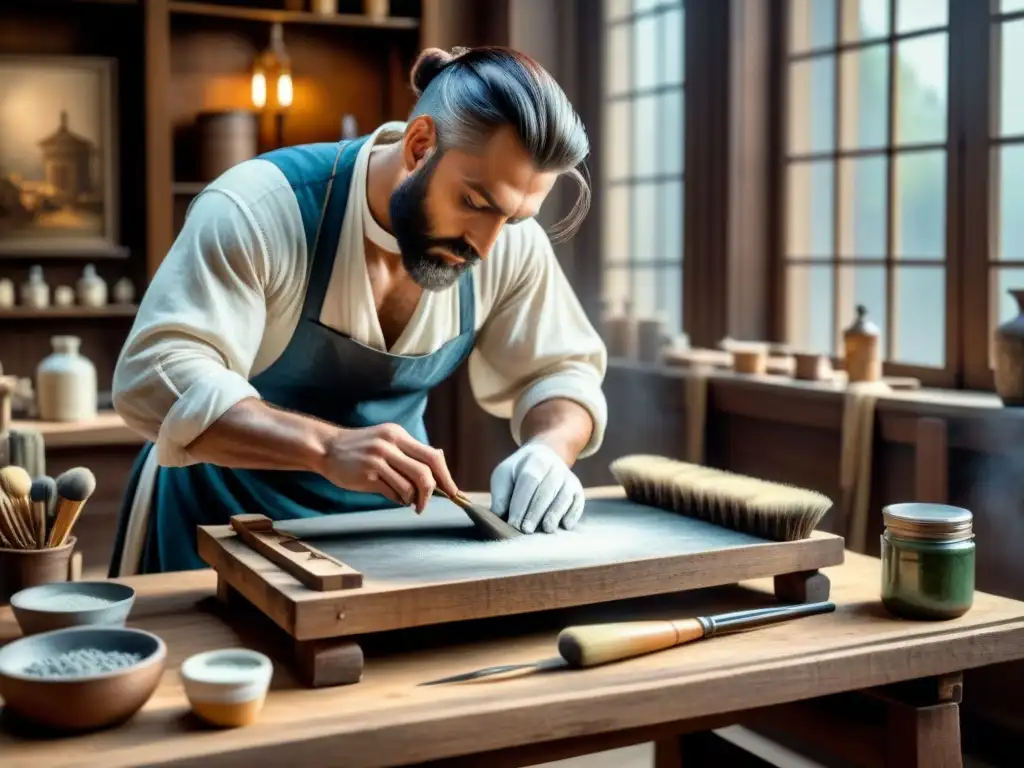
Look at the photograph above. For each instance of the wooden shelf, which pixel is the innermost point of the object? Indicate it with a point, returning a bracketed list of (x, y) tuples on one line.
[(115, 252), (111, 310), (106, 2), (270, 15)]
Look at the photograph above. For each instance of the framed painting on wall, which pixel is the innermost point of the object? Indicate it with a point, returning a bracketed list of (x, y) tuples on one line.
[(58, 157)]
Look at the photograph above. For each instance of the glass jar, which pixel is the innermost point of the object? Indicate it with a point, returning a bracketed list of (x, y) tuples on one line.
[(927, 561)]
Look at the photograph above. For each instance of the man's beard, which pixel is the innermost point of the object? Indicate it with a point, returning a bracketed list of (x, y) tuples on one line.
[(412, 228)]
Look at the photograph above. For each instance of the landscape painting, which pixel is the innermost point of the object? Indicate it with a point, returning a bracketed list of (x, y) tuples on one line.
[(57, 156)]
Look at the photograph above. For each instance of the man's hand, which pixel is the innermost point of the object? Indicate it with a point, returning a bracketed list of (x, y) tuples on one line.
[(387, 460), (534, 487)]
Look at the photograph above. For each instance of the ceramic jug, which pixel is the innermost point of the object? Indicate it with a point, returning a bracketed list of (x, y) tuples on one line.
[(66, 383), (35, 293), (91, 289), (1009, 349), (6, 293), (124, 291), (63, 296), (860, 349)]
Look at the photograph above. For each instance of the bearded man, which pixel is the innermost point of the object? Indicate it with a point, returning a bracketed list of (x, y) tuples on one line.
[(282, 356)]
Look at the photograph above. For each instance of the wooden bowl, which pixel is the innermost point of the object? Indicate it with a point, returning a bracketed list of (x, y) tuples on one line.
[(750, 359), (227, 687), (81, 702), (72, 604)]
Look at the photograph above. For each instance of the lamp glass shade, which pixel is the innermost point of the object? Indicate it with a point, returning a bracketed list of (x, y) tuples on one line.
[(259, 89)]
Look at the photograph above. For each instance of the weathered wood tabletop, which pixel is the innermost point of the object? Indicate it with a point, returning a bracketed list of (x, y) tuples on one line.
[(389, 720)]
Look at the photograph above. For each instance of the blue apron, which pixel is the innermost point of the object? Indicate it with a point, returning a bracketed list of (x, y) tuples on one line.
[(322, 373)]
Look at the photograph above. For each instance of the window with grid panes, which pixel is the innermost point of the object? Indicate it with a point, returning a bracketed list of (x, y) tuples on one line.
[(865, 174), (1006, 132), (642, 158)]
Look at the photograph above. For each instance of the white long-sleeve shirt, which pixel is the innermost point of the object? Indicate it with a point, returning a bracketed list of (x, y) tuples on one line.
[(225, 302)]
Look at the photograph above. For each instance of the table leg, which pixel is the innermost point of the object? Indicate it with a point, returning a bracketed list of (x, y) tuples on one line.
[(225, 592), (668, 753), (923, 723), (802, 587), (323, 663), (924, 737)]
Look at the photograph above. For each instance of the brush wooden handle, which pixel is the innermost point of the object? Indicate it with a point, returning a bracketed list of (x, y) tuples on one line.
[(14, 532), (67, 514), (588, 646), (39, 518)]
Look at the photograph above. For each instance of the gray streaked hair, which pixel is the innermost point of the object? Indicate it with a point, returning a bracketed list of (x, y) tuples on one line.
[(472, 92)]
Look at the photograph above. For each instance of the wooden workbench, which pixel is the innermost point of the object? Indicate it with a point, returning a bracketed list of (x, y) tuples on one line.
[(388, 720)]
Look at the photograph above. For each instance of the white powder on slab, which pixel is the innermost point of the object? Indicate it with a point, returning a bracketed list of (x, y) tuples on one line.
[(442, 544)]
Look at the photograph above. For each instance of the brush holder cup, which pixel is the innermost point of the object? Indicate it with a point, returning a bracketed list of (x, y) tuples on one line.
[(24, 568)]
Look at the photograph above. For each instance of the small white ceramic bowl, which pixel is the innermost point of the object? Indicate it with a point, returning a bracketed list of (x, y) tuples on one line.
[(227, 687)]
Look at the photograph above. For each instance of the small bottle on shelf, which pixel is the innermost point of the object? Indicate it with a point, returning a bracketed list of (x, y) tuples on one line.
[(35, 293)]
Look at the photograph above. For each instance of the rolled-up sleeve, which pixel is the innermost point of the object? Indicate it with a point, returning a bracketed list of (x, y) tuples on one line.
[(189, 355), (537, 343)]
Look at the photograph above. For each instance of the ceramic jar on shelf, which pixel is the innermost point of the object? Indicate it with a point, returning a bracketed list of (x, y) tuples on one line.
[(860, 349), (124, 291), (7, 297), (91, 289), (1009, 354), (35, 293), (66, 383), (377, 10), (63, 296)]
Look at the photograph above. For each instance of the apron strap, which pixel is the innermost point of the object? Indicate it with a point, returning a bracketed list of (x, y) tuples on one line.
[(323, 245), (467, 303)]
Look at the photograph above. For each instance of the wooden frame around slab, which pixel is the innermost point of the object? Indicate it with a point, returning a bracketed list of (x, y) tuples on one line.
[(309, 616)]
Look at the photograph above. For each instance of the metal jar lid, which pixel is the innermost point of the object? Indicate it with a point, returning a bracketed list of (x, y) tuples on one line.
[(928, 522)]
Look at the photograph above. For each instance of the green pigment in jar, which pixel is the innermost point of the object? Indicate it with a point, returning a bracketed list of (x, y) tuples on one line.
[(927, 561)]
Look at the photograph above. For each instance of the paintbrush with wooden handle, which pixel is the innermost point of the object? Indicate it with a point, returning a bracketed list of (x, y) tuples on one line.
[(10, 533), (16, 483), (74, 488), (486, 522), (44, 491)]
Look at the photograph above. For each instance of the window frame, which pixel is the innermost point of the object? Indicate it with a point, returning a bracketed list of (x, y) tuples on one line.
[(982, 80), (951, 374), (663, 263), (726, 164)]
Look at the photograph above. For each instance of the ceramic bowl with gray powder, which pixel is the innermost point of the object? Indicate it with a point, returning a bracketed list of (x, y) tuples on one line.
[(81, 677), (72, 604)]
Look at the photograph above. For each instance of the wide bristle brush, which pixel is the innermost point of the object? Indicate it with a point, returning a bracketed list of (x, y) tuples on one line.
[(74, 488), (759, 507)]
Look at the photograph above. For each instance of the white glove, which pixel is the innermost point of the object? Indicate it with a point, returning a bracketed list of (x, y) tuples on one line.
[(535, 487)]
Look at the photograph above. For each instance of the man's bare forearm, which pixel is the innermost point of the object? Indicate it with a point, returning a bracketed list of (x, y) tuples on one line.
[(564, 425), (254, 435)]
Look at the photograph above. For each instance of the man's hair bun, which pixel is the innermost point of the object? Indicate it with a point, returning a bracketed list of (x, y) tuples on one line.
[(429, 65)]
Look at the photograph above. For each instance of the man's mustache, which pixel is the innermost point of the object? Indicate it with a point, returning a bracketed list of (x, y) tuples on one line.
[(455, 246)]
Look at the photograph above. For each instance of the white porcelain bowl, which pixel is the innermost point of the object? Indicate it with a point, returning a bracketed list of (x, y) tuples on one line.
[(227, 687)]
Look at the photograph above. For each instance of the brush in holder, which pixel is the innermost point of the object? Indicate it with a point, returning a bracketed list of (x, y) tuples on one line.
[(24, 568)]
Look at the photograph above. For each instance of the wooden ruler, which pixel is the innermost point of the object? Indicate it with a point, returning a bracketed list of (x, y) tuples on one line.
[(316, 569)]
